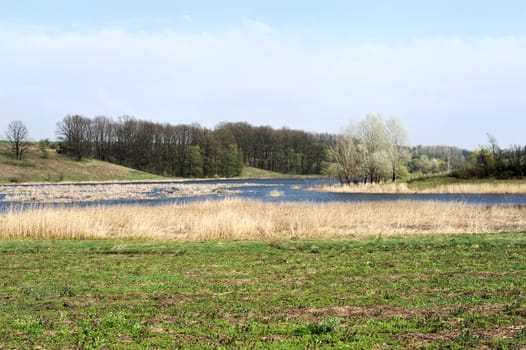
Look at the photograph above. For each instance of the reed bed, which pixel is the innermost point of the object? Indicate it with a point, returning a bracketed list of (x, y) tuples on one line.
[(392, 188), (236, 219), (488, 188), (388, 188)]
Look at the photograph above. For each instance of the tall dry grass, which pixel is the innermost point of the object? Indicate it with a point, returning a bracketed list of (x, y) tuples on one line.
[(389, 188), (235, 219), (366, 188), (487, 188)]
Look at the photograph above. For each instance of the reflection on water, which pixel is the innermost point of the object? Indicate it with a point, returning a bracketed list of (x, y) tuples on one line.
[(291, 190)]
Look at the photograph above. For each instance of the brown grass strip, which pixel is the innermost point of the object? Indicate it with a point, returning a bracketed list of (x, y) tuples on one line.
[(235, 219), (390, 188)]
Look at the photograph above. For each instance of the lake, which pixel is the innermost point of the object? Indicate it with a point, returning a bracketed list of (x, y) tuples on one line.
[(288, 190)]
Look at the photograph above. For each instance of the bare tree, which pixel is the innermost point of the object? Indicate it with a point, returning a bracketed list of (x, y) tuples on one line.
[(398, 145), (17, 135), (102, 135), (75, 132), (350, 156), (372, 134), (372, 150), (344, 154)]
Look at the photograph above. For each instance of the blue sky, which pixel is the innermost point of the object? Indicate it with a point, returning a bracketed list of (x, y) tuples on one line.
[(452, 71)]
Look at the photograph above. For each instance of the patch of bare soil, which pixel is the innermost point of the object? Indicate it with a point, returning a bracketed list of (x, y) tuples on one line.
[(275, 338), (388, 311), (415, 339), (496, 332), (426, 338)]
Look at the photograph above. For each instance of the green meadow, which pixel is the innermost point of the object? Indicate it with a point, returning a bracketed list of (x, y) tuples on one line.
[(431, 292)]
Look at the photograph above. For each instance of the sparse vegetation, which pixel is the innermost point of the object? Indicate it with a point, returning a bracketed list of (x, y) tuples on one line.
[(463, 291)]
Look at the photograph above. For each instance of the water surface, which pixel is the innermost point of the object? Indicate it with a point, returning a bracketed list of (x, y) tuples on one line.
[(290, 190)]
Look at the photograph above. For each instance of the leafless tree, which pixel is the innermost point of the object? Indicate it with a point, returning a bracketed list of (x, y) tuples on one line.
[(102, 134), (346, 153), (372, 134), (75, 132), (17, 136), (398, 145), (371, 150)]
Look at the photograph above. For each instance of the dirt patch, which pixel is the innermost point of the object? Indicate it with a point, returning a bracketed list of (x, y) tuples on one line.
[(388, 311), (165, 301), (312, 314), (427, 338), (499, 332), (275, 338), (489, 333), (496, 332)]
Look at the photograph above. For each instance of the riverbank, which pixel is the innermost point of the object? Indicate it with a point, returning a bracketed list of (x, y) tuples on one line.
[(236, 219), (464, 187), (464, 291)]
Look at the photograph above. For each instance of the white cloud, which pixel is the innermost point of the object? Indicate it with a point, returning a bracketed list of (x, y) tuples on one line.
[(257, 26), (446, 90)]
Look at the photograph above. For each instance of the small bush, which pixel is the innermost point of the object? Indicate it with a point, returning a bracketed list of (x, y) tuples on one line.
[(43, 147), (325, 326), (278, 245)]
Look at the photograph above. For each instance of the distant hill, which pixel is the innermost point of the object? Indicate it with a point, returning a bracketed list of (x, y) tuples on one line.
[(47, 166)]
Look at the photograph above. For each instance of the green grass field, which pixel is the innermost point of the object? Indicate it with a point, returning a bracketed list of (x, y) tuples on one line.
[(430, 292)]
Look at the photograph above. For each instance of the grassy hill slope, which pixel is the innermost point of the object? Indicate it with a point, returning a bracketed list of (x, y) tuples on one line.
[(36, 166), (49, 166)]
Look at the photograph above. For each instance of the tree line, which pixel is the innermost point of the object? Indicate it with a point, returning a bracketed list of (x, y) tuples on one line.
[(492, 161), (428, 160), (192, 150), (372, 150)]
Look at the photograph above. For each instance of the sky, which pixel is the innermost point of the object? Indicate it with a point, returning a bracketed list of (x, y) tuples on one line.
[(452, 71)]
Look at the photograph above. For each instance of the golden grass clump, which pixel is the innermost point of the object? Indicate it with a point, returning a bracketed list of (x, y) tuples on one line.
[(366, 188), (236, 219), (485, 188)]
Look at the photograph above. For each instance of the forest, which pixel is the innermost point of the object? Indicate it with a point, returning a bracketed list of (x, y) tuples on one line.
[(192, 150)]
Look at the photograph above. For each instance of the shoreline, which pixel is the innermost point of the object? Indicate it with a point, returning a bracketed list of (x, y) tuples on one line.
[(403, 188)]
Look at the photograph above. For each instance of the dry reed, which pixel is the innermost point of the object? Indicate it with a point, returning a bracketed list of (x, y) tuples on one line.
[(235, 219), (488, 188), (365, 188), (390, 188)]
